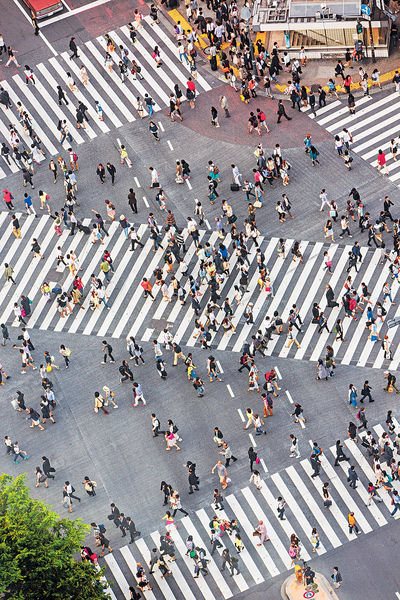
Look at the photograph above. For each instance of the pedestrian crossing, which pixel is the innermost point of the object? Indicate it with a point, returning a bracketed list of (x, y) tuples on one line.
[(304, 510), (373, 126), (118, 99), (133, 315)]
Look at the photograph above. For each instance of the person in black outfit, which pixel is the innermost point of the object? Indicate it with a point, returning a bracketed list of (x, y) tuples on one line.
[(340, 455), (132, 200), (330, 297), (322, 97), (252, 457), (193, 479), (316, 465), (281, 112), (114, 515), (366, 392), (132, 529), (107, 349), (47, 469), (124, 524), (167, 490), (74, 49), (125, 372), (112, 170)]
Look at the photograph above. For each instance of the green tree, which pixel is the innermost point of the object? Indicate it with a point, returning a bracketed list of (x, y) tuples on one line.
[(37, 550)]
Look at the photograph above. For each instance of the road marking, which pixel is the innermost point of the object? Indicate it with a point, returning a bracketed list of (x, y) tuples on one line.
[(241, 415), (230, 390), (137, 181), (264, 466), (74, 11), (170, 145), (188, 184), (289, 397), (219, 366), (207, 223), (253, 441), (146, 202), (41, 25), (278, 373), (161, 126)]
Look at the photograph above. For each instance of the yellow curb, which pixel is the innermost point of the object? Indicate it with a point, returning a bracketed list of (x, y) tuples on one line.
[(176, 16), (354, 86)]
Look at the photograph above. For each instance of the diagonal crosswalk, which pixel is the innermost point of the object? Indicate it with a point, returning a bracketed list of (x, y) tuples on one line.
[(117, 99), (133, 315), (372, 127), (248, 506)]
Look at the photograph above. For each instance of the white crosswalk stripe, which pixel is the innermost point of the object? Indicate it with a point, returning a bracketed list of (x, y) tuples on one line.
[(372, 127), (118, 100), (248, 507), (128, 307)]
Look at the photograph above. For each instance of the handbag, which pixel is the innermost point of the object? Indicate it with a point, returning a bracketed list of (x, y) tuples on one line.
[(257, 204), (14, 404), (257, 460), (48, 367), (256, 533), (373, 337), (242, 97)]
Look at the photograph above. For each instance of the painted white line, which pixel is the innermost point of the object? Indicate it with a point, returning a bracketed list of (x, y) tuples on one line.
[(189, 184), (230, 391), (241, 415), (264, 466), (398, 595), (161, 126), (278, 372), (74, 11), (207, 223), (137, 181), (170, 145), (147, 334), (219, 366), (288, 394), (66, 6), (253, 441), (118, 574), (146, 203), (302, 425)]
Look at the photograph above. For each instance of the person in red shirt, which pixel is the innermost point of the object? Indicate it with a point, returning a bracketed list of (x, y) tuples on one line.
[(382, 162), (146, 285), (191, 85)]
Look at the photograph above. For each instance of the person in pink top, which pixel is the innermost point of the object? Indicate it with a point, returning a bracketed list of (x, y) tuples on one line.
[(382, 162)]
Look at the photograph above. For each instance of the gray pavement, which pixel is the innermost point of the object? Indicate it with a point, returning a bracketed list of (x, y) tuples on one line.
[(117, 450)]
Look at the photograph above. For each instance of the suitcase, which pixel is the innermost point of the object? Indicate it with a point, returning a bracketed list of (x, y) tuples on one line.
[(235, 187)]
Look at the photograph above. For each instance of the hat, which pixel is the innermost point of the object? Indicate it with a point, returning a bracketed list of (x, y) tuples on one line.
[(122, 217), (386, 373), (106, 389)]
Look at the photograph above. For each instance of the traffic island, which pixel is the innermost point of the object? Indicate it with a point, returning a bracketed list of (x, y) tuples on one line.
[(321, 589)]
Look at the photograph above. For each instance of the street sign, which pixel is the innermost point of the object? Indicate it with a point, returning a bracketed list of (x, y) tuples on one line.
[(309, 594), (365, 10)]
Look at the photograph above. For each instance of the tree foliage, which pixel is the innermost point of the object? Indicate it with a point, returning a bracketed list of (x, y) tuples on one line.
[(37, 550)]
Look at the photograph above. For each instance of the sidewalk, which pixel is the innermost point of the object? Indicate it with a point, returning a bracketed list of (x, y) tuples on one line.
[(293, 590), (316, 72)]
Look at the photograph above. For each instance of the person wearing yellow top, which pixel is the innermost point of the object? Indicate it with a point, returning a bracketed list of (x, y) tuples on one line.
[(352, 524)]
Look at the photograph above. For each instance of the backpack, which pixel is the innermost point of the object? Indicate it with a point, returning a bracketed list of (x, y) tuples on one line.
[(102, 529), (75, 157)]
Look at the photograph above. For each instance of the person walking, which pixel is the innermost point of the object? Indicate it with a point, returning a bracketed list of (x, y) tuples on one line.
[(352, 477), (261, 530), (281, 112), (281, 508), (340, 455), (352, 524), (336, 577), (294, 447), (47, 468), (74, 48)]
